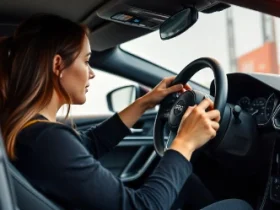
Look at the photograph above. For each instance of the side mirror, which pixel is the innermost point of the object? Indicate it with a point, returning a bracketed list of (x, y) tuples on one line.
[(178, 23), (122, 97)]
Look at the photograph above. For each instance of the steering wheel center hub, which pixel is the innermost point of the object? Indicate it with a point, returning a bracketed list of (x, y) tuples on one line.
[(186, 99), (179, 108)]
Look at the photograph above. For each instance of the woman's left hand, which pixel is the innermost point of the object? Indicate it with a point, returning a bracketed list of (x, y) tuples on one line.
[(155, 96)]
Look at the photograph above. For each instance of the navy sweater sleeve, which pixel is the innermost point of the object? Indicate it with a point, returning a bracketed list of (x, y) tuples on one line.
[(104, 137), (61, 167)]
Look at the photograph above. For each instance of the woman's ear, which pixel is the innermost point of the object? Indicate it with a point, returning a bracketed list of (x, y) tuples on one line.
[(57, 65)]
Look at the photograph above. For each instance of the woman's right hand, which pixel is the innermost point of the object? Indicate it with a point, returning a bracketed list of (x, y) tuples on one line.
[(197, 127)]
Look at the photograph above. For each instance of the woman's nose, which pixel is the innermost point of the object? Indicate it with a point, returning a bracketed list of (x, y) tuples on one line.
[(91, 74)]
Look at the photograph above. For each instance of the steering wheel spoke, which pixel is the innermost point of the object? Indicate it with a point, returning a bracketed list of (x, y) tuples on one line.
[(171, 137), (164, 115)]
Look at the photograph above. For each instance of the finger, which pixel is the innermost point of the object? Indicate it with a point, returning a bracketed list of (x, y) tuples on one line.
[(187, 87), (189, 110), (211, 107), (174, 88), (169, 80), (215, 125), (214, 115), (214, 133), (206, 103)]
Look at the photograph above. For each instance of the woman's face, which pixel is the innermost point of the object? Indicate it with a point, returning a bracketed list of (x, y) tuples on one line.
[(75, 78)]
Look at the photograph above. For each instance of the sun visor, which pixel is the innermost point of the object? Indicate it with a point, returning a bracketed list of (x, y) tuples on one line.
[(132, 16)]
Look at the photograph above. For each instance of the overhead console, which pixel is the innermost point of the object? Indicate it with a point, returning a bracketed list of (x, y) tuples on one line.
[(118, 21), (151, 15), (132, 16)]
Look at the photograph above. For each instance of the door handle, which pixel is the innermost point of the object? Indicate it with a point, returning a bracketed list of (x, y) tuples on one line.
[(136, 130)]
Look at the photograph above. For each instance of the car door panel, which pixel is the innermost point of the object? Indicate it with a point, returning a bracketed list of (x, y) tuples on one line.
[(131, 158)]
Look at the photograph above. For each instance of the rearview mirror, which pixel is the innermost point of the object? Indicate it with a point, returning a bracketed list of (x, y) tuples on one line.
[(178, 23)]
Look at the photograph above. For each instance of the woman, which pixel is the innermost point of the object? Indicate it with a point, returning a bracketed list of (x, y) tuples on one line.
[(45, 65)]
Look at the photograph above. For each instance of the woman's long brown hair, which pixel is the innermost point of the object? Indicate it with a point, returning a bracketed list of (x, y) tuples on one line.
[(27, 79)]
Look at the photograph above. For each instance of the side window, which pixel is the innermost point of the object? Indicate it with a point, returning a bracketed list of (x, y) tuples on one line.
[(96, 103)]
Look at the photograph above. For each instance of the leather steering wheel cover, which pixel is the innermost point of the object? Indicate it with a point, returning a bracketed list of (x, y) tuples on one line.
[(158, 134), (221, 93), (221, 83)]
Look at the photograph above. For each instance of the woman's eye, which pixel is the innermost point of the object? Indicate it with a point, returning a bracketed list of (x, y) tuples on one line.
[(88, 64)]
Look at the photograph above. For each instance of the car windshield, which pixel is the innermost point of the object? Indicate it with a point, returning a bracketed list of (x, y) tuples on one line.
[(242, 40)]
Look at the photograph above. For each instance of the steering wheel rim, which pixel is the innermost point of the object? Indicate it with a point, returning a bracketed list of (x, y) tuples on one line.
[(221, 92)]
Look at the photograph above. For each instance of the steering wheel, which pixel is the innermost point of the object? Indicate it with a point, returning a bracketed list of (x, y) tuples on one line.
[(173, 107)]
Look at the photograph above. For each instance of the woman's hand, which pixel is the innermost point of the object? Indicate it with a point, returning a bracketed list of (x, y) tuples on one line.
[(133, 112), (155, 96), (197, 127)]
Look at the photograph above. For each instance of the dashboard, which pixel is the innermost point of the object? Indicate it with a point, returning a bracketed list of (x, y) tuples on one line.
[(256, 94)]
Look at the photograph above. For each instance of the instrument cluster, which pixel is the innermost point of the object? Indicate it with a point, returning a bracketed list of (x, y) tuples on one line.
[(261, 108)]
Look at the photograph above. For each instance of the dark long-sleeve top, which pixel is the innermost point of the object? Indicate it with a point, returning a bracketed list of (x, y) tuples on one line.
[(64, 166)]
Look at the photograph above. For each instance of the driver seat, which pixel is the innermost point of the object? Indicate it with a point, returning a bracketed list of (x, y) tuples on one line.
[(27, 197)]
